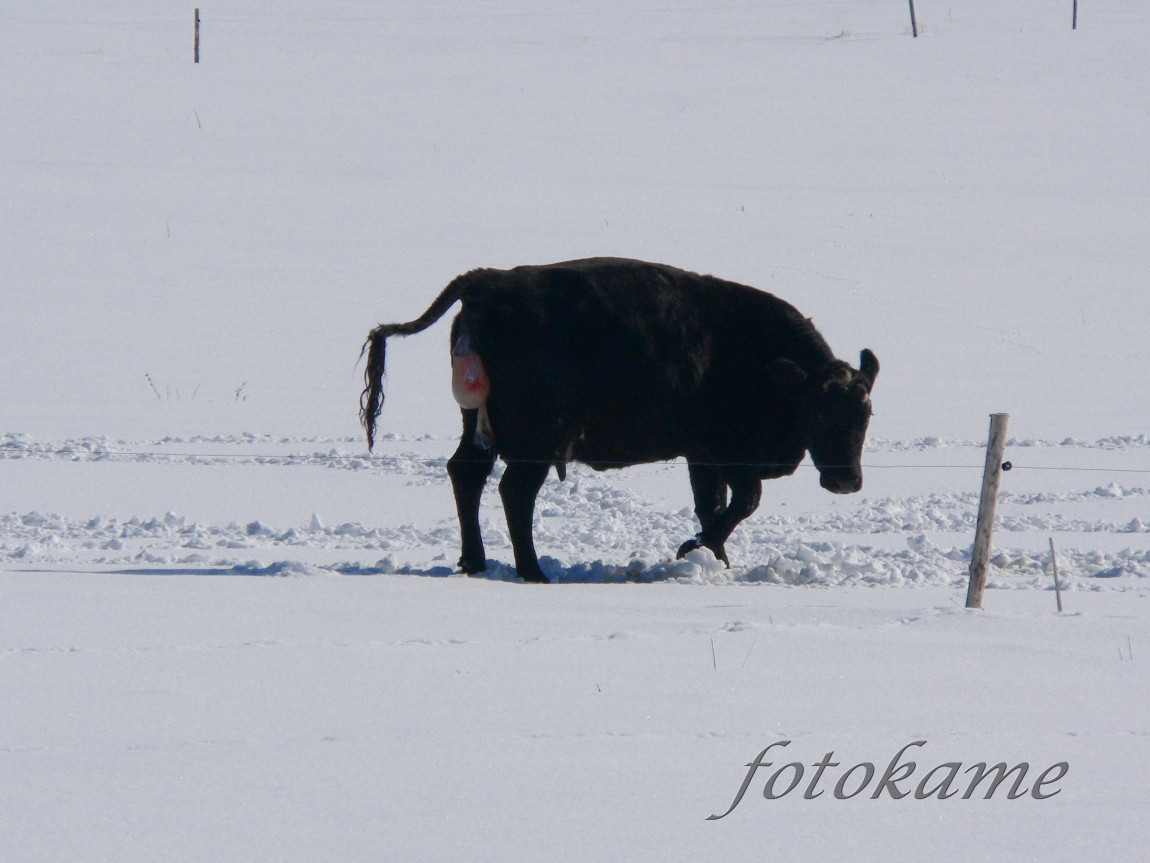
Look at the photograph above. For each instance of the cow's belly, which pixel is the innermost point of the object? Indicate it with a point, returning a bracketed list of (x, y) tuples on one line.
[(622, 442)]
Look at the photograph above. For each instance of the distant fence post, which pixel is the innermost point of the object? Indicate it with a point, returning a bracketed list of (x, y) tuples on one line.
[(196, 40), (1074, 24), (1054, 567), (914, 23), (991, 474)]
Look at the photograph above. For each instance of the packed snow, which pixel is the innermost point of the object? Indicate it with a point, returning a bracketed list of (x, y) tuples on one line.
[(229, 632)]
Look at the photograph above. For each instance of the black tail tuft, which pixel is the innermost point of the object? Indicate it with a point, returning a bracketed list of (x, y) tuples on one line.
[(371, 399)]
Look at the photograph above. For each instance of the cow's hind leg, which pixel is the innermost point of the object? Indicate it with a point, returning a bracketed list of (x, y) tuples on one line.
[(469, 469), (518, 488)]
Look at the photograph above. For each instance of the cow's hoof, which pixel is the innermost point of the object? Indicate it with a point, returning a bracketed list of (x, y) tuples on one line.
[(535, 576), (688, 546), (694, 544), (472, 567)]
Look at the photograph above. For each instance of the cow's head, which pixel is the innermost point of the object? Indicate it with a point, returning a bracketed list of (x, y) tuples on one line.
[(836, 410)]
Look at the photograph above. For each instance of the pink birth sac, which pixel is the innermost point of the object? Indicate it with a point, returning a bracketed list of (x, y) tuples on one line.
[(469, 383)]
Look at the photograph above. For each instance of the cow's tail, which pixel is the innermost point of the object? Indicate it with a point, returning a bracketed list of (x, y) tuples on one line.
[(371, 400)]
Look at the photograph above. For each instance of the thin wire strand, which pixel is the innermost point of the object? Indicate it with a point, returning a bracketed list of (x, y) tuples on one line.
[(108, 455)]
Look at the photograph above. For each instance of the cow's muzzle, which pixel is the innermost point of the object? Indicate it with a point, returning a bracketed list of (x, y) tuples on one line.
[(844, 482)]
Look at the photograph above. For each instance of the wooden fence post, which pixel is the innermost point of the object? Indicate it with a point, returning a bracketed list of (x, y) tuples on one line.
[(914, 23), (196, 42), (991, 474), (1074, 23), (1054, 567)]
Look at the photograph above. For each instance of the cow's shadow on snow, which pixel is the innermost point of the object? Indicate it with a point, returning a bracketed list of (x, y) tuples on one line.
[(699, 564)]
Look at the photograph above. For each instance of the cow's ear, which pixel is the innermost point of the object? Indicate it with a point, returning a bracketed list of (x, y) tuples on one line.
[(868, 365), (786, 375)]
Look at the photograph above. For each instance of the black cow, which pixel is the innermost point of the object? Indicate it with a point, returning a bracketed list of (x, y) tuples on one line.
[(615, 362)]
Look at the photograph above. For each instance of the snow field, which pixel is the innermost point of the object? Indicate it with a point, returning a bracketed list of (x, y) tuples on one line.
[(227, 633)]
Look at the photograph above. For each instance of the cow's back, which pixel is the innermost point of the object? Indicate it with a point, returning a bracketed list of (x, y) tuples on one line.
[(616, 361)]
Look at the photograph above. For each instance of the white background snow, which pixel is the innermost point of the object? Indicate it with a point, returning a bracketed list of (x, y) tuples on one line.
[(228, 633)]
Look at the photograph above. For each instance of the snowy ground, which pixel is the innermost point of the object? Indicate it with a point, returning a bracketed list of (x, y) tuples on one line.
[(191, 256), (190, 504)]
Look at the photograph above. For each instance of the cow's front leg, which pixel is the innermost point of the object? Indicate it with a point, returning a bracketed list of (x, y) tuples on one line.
[(518, 488), (710, 493), (746, 491), (469, 469)]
